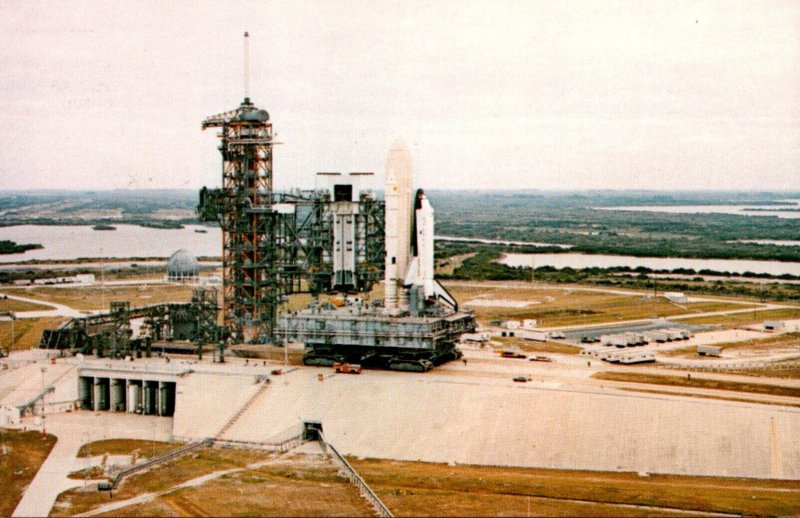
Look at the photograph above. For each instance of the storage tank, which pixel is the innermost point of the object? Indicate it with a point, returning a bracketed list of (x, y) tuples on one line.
[(134, 397)]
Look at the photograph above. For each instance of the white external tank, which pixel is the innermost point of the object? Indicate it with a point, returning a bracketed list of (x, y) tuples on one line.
[(398, 185)]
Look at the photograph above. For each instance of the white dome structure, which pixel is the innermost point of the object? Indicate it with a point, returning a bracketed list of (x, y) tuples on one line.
[(183, 267)]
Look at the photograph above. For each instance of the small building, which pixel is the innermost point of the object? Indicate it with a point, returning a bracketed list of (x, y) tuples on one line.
[(774, 325), (529, 323), (511, 324), (183, 267), (709, 350), (676, 297)]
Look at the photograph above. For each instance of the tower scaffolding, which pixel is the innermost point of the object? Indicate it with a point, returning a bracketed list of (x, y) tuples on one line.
[(243, 207)]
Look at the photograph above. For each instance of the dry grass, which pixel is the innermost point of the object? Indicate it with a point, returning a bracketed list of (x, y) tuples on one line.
[(694, 381), (20, 305), (166, 476), (127, 447), (91, 297), (538, 347), (575, 307), (788, 373), (21, 455), (768, 343), (27, 331), (300, 486), (748, 318), (425, 489), (267, 352)]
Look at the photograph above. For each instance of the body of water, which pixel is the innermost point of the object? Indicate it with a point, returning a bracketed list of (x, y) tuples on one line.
[(573, 260), (776, 242), (499, 242), (739, 210), (74, 241)]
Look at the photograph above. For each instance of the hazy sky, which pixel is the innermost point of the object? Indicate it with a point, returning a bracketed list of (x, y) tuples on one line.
[(524, 94)]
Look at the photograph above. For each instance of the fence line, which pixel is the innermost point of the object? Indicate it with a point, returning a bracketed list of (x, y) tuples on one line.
[(352, 475), (158, 460)]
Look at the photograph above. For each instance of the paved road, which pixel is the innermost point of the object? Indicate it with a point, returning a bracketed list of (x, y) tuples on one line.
[(70, 429), (58, 310), (199, 481)]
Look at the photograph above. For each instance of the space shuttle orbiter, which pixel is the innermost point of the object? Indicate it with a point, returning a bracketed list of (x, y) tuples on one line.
[(420, 269)]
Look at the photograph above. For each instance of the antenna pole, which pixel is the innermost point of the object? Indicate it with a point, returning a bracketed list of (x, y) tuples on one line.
[(246, 66)]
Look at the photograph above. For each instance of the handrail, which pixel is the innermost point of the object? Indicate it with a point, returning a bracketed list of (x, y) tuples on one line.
[(352, 475), (157, 460)]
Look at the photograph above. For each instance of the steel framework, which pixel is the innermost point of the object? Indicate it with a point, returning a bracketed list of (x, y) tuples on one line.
[(275, 244), (243, 208)]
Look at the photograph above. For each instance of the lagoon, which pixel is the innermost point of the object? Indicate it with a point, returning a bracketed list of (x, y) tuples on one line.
[(76, 241), (575, 260)]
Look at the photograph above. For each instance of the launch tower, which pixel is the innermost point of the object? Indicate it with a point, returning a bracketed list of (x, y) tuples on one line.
[(252, 289)]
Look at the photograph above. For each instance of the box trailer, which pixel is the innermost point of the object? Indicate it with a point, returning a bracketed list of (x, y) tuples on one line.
[(629, 357), (709, 350), (538, 336)]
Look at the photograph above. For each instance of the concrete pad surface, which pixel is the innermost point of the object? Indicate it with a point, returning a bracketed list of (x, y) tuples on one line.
[(408, 416)]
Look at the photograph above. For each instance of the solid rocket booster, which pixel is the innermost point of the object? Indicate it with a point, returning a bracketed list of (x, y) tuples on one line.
[(399, 181)]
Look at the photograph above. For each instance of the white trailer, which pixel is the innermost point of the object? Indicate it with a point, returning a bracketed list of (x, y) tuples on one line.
[(629, 357), (709, 350), (532, 334), (619, 340), (658, 336)]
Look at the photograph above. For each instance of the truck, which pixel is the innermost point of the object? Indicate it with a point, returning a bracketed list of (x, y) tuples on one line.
[(346, 368)]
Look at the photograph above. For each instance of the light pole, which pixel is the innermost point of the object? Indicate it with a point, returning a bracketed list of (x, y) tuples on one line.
[(44, 433)]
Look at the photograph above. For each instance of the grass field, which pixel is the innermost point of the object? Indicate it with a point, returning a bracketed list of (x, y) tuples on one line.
[(538, 347), (298, 486), (27, 331), (564, 307), (20, 305), (770, 343), (425, 489), (91, 297), (135, 447), (21, 455), (748, 318), (790, 371), (694, 381), (185, 468)]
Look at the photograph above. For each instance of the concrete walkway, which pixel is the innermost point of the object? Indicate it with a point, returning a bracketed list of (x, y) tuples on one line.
[(58, 310), (199, 481), (70, 429)]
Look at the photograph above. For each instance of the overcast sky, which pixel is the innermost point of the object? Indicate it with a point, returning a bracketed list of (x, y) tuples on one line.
[(521, 94)]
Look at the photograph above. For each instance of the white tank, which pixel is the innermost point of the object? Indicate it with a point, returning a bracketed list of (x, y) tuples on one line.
[(398, 186), (134, 397)]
